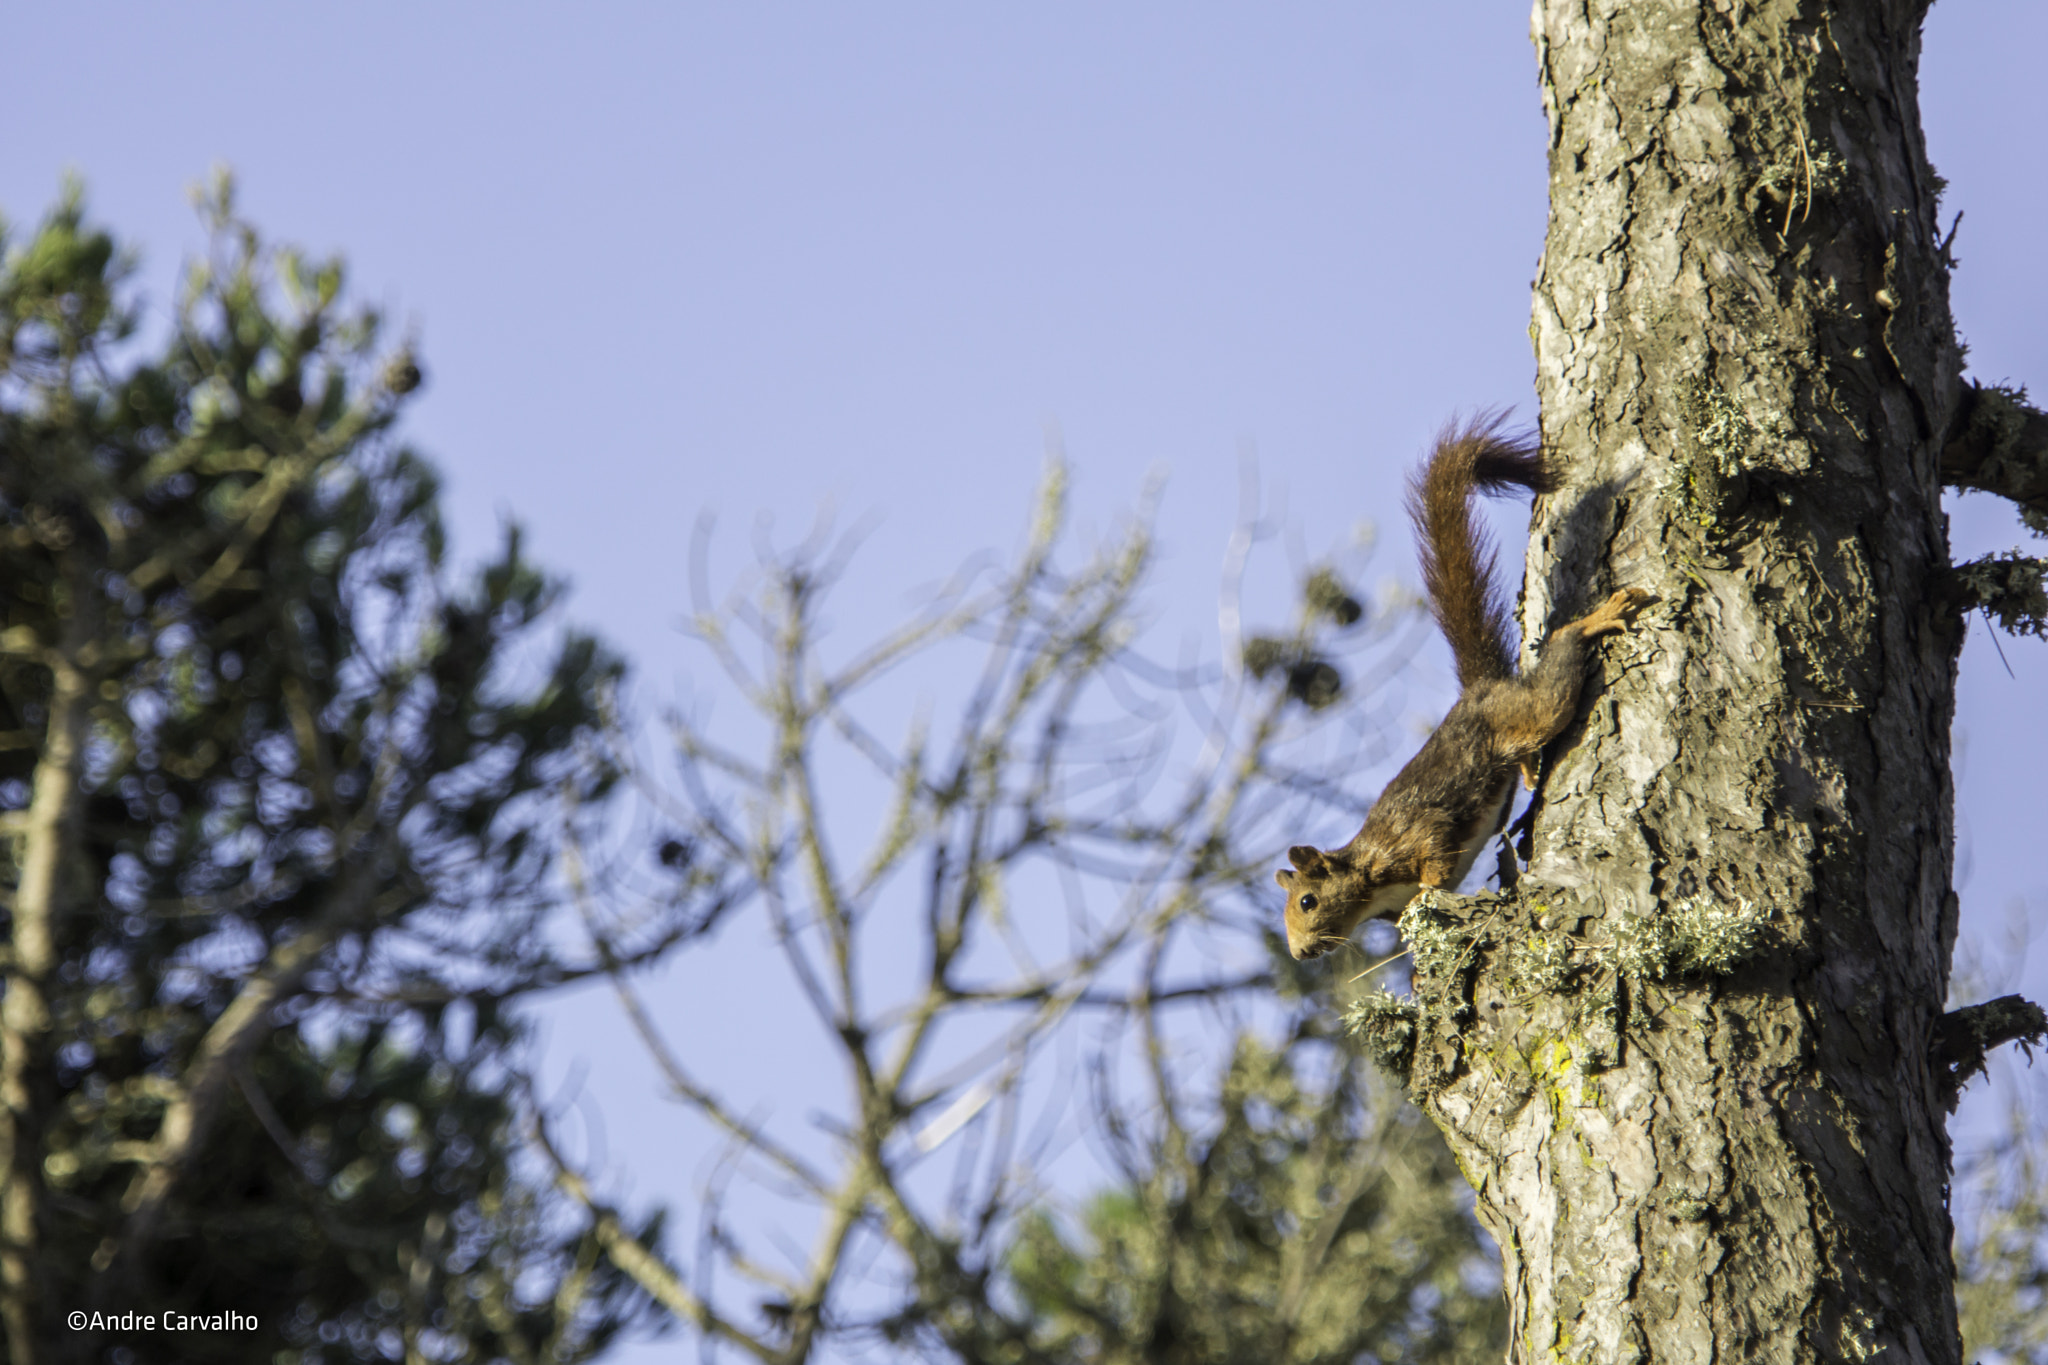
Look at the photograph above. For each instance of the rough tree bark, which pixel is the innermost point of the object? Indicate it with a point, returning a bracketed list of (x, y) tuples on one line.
[(1696, 1064)]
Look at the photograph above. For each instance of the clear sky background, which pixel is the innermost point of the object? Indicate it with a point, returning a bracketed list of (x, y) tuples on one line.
[(760, 259)]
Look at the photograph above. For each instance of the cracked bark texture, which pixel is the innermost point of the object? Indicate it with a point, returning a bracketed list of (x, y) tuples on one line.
[(1746, 362)]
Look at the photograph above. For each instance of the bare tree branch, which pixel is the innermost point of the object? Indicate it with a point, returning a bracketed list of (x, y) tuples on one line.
[(640, 1263), (1060, 772)]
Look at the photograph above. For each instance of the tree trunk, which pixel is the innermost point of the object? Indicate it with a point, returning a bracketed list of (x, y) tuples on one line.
[(1688, 1066), (46, 849)]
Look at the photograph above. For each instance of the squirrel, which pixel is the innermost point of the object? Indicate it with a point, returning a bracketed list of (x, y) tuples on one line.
[(1432, 820)]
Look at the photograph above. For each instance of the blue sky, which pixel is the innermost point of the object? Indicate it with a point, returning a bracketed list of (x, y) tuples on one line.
[(664, 259)]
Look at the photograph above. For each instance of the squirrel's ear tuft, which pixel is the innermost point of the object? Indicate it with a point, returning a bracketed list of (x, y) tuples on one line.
[(1306, 858), (1285, 878)]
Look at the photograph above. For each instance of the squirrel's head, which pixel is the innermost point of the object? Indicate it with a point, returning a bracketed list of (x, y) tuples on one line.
[(1327, 895)]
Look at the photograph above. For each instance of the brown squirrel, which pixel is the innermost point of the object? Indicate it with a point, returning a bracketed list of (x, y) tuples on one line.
[(1433, 818)]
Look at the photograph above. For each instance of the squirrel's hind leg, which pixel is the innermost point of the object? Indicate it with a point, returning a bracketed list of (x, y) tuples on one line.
[(1526, 713), (1615, 614)]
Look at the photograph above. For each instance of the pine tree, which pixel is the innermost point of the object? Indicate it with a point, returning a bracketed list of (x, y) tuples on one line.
[(1697, 1064), (281, 799)]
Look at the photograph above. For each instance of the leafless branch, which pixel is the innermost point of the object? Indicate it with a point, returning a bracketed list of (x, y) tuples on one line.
[(1060, 774)]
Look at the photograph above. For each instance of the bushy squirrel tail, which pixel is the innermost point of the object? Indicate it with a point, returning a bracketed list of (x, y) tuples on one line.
[(1479, 455)]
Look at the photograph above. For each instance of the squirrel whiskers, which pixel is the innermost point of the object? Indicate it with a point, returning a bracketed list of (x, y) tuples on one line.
[(1439, 811)]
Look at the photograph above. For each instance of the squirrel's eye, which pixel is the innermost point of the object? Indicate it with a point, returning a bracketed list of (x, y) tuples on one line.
[(1308, 901)]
